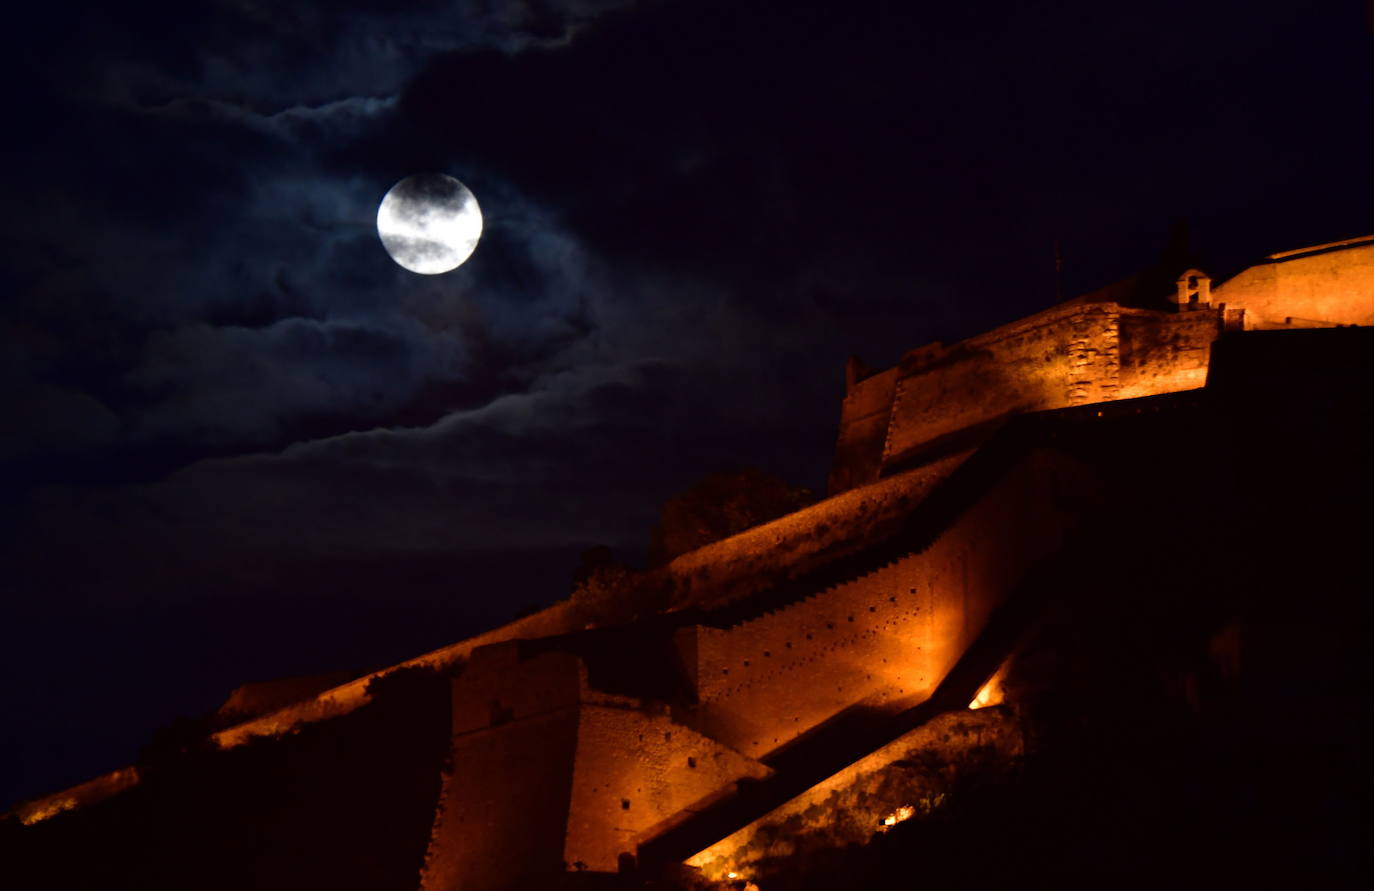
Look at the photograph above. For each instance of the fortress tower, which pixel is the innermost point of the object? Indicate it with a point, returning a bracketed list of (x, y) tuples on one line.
[(1116, 343), (1087, 519)]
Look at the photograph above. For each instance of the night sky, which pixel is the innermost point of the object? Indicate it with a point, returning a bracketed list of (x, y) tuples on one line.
[(240, 443)]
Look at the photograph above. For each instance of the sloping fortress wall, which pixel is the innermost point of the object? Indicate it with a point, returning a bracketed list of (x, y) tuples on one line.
[(1086, 351), (847, 806), (550, 775), (862, 604), (637, 774), (945, 397), (883, 640)]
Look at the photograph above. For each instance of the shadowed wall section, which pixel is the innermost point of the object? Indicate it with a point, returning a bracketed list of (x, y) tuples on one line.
[(906, 778), (551, 776), (638, 774), (504, 805)]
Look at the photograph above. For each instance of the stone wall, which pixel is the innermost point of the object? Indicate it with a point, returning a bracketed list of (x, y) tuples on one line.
[(1085, 351), (1063, 356), (550, 775), (940, 398), (864, 418), (548, 771), (498, 687), (790, 547), (1166, 352), (908, 777), (504, 805), (884, 640), (636, 774), (90, 792), (560, 618), (1324, 285)]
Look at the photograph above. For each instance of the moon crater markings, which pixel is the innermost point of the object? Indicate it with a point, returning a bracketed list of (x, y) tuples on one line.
[(429, 223)]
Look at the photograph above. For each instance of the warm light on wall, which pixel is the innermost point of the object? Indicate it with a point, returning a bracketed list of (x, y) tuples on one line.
[(48, 809), (89, 792), (990, 693), (905, 812)]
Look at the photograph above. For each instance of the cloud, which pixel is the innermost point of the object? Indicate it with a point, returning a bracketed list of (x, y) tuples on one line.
[(574, 452), (211, 276), (242, 386), (269, 57), (44, 418), (526, 472), (200, 248), (231, 283)]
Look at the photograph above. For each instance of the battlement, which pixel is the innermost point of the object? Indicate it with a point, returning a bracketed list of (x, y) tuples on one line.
[(586, 774), (940, 398)]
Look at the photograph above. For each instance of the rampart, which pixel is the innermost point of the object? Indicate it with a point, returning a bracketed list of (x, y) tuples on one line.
[(615, 772), (882, 640), (1088, 350), (880, 789), (550, 775), (87, 793), (1313, 287), (858, 607), (945, 398)]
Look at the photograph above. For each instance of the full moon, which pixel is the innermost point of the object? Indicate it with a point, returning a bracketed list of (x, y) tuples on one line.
[(429, 223)]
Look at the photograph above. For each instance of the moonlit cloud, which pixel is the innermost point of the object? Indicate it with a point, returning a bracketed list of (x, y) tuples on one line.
[(244, 386), (250, 54)]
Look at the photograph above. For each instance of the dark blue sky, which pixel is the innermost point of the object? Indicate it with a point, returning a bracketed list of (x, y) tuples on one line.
[(241, 443)]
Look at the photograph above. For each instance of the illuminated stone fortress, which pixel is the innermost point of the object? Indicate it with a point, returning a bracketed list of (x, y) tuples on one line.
[(696, 720)]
